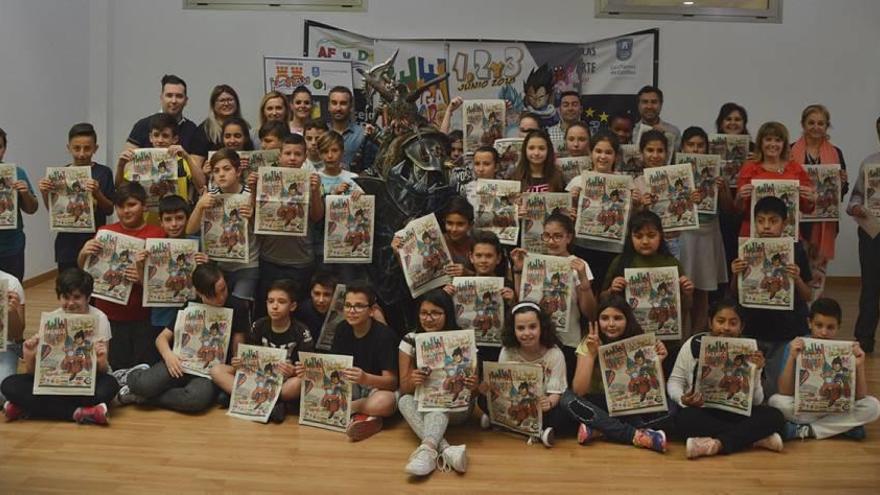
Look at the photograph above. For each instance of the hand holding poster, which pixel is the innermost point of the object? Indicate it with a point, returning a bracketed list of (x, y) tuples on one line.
[(508, 152), (156, 170), (550, 282), (483, 123), (449, 357), (734, 151), (766, 283), (603, 207), (168, 272), (539, 206), (825, 377), (479, 305), (8, 197), (71, 205), (201, 338), (423, 255), (282, 201), (826, 179), (225, 229), (726, 376), (67, 361), (117, 255), (257, 383), (633, 376), (786, 190), (348, 229), (495, 208), (325, 396), (671, 188), (335, 316), (655, 297), (514, 392), (706, 168)]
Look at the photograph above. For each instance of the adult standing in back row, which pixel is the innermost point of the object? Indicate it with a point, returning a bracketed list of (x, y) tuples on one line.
[(341, 108), (650, 106)]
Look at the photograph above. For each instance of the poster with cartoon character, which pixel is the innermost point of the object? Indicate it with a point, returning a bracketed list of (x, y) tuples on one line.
[(630, 162), (168, 272), (826, 180), (449, 357), (66, 358), (282, 206), (786, 190), (655, 298), (479, 305), (495, 208), (671, 187), (201, 338), (604, 205), (725, 376), (483, 122), (550, 282), (8, 196), (633, 376), (225, 230), (825, 377), (156, 170), (325, 396), (423, 255), (539, 206), (257, 383), (348, 229), (118, 253), (71, 205), (573, 166), (766, 283), (515, 390), (734, 151), (509, 150), (706, 169)]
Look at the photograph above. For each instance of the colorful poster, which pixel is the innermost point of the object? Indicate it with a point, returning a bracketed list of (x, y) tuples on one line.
[(483, 123), (550, 282), (71, 206), (706, 169), (335, 315), (630, 162), (257, 383), (348, 229), (251, 161), (418, 62), (8, 197), (168, 272), (633, 376), (224, 229), (495, 208), (201, 338), (655, 297), (424, 255), (539, 206), (734, 151), (826, 179), (825, 378), (514, 392), (671, 188), (284, 74), (479, 305), (282, 201), (509, 150), (766, 283), (66, 362), (117, 254), (573, 166), (156, 170), (4, 314), (726, 377), (604, 205), (872, 189), (325, 395), (449, 357), (786, 190)]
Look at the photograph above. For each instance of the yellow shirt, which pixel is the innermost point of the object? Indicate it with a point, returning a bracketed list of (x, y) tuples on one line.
[(155, 191)]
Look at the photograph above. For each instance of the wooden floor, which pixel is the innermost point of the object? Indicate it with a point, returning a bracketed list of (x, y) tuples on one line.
[(162, 452)]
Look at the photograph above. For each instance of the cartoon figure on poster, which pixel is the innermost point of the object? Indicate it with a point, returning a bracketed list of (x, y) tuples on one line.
[(291, 210), (233, 235), (70, 204), (508, 150), (726, 375), (827, 181), (654, 295), (449, 360), (487, 314), (547, 281), (8, 197), (539, 95), (212, 347), (736, 376), (201, 337), (495, 208), (66, 360), (513, 396), (77, 354), (836, 381), (325, 396), (539, 206), (643, 377), (825, 377)]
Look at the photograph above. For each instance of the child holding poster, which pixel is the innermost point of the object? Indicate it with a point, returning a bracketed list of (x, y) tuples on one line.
[(73, 288), (536, 170), (12, 236), (714, 431), (12, 315), (834, 375)]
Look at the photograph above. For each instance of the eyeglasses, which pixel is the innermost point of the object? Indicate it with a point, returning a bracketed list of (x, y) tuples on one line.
[(355, 308), (547, 237), (430, 315)]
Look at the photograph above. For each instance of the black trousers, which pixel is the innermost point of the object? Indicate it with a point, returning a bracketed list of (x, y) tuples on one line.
[(869, 298), (133, 342), (736, 432), (19, 389)]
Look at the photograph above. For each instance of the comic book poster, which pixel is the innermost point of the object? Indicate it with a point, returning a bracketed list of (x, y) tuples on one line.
[(550, 282), (787, 191), (66, 362), (424, 255), (734, 151), (483, 123), (826, 180), (253, 161), (117, 254), (872, 189), (156, 170), (71, 206), (572, 166), (671, 187), (478, 305), (168, 272), (348, 229), (325, 395), (257, 383), (706, 169), (335, 315), (282, 201), (495, 208), (539, 206), (633, 376), (825, 378), (765, 283), (8, 197), (725, 376), (630, 162), (655, 297), (224, 229), (509, 150), (513, 395), (4, 314), (604, 205), (449, 357), (201, 338)]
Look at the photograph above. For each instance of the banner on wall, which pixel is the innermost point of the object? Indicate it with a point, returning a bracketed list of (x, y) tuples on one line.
[(529, 75), (284, 74)]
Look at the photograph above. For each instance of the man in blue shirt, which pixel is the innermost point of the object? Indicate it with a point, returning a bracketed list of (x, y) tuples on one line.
[(340, 108)]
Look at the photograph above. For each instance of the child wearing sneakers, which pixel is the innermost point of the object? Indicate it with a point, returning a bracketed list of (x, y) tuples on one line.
[(73, 288), (825, 317)]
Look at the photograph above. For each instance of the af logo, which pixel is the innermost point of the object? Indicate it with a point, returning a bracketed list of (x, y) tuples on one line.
[(624, 49)]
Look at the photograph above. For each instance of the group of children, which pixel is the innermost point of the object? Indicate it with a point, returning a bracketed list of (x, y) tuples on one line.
[(273, 307)]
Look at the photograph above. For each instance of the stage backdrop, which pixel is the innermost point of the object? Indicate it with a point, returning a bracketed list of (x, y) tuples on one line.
[(530, 75)]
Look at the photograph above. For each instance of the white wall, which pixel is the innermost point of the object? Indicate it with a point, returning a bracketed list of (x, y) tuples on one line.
[(44, 89)]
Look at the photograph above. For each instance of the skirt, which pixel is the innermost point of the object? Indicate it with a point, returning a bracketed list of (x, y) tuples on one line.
[(702, 255)]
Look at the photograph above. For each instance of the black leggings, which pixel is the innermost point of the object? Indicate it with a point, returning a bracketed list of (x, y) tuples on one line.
[(735, 431), (19, 389)]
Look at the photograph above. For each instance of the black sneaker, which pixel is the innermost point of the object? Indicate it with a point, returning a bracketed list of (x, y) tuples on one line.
[(278, 413)]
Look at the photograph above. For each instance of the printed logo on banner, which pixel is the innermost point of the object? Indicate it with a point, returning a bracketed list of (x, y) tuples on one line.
[(624, 49), (316, 71)]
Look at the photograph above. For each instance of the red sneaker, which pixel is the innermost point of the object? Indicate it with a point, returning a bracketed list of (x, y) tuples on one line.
[(363, 426), (12, 411), (96, 415), (585, 434)]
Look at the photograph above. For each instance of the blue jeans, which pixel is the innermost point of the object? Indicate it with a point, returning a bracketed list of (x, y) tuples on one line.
[(8, 363)]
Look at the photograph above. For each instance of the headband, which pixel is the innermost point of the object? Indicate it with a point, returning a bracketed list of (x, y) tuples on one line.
[(526, 304)]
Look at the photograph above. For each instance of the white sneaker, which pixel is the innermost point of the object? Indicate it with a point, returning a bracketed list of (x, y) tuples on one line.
[(485, 422), (454, 457), (422, 462), (772, 442), (547, 437)]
